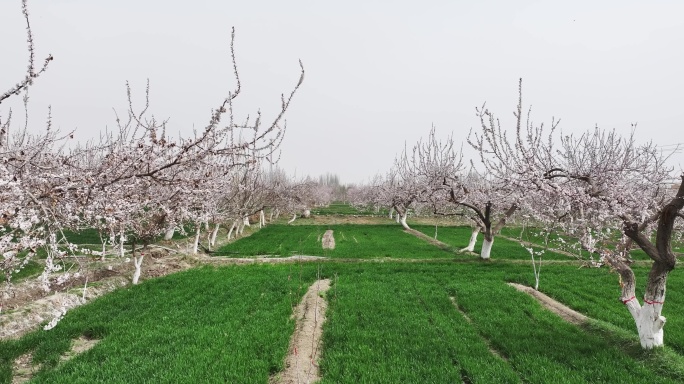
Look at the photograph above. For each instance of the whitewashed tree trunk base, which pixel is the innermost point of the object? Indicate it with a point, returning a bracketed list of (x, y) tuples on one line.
[(230, 231), (472, 242), (137, 261), (648, 321), (214, 233), (122, 239), (195, 245), (403, 222), (169, 233), (486, 249)]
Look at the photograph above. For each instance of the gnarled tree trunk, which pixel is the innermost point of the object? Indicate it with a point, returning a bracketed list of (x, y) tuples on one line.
[(648, 318)]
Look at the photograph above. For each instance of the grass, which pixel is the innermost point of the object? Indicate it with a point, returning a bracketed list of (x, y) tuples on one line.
[(395, 323), (31, 269), (459, 236), (440, 321), (351, 241), (556, 240), (341, 208), (171, 330), (595, 292)]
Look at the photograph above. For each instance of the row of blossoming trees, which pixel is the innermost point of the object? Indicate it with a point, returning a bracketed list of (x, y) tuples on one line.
[(606, 191), (136, 182)]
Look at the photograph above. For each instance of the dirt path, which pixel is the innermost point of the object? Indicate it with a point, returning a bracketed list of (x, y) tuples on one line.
[(435, 242), (23, 367), (328, 240), (561, 310), (301, 363)]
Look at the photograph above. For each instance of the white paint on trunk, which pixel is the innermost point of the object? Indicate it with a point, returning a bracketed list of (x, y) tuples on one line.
[(169, 233), (122, 239), (137, 261), (473, 240), (292, 219), (648, 321), (214, 233), (245, 221), (262, 218), (270, 216), (195, 245), (486, 248), (104, 251), (403, 221), (230, 232)]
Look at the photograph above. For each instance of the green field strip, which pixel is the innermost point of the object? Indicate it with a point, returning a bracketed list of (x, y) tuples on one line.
[(205, 325), (390, 324), (387, 322), (351, 241), (595, 292), (345, 209), (542, 347), (458, 237)]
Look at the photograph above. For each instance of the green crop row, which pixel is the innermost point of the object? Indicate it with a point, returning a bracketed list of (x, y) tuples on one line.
[(351, 241), (201, 326), (387, 322)]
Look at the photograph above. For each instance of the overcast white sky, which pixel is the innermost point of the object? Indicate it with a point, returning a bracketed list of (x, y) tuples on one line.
[(378, 73)]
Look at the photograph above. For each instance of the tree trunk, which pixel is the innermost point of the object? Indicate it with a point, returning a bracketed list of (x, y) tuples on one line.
[(262, 218), (487, 247), (292, 219), (245, 221), (214, 233), (104, 251), (270, 216), (647, 318), (230, 231), (403, 221), (169, 233), (195, 245), (473, 240), (137, 261), (122, 238)]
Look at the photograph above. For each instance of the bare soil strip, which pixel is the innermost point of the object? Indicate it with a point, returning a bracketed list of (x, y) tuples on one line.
[(80, 345), (435, 242), (23, 368), (567, 313), (429, 239), (328, 240), (301, 363)]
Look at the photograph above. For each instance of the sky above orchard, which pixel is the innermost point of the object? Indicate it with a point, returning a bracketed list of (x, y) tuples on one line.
[(379, 74)]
